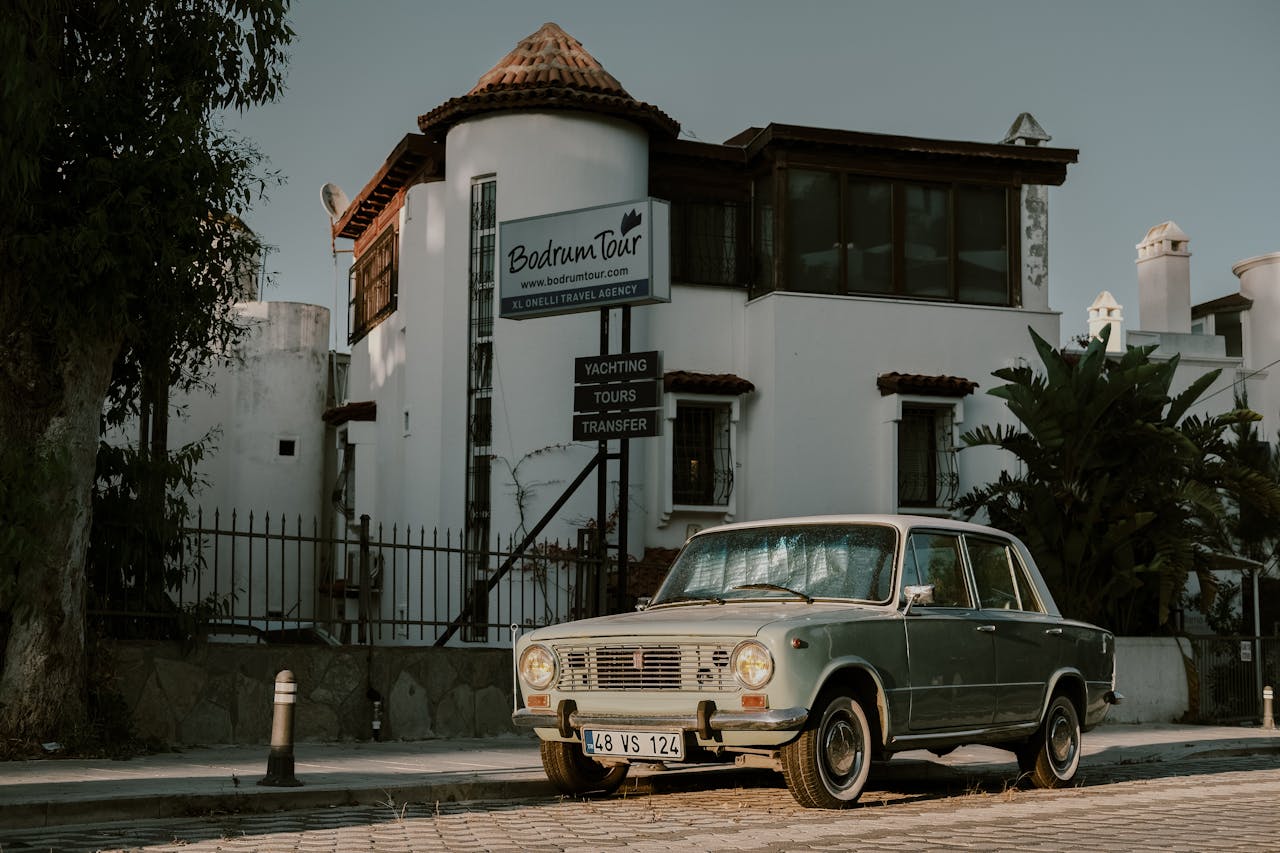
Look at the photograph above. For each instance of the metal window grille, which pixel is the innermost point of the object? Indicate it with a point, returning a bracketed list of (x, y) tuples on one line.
[(927, 472), (709, 241), (374, 288), (702, 469), (484, 230)]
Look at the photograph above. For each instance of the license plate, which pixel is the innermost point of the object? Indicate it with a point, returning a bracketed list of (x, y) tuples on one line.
[(624, 743)]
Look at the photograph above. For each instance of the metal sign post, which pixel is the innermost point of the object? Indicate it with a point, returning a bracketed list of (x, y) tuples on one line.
[(617, 397)]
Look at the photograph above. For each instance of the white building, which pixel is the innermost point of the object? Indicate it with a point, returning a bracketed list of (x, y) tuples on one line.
[(269, 465), (837, 298), (1238, 333)]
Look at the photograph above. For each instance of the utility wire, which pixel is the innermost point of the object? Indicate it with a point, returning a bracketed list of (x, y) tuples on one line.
[(1236, 382)]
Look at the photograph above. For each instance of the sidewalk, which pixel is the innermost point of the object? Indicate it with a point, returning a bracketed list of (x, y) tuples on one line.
[(224, 779)]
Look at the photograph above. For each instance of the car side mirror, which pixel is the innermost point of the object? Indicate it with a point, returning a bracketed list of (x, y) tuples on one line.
[(922, 595)]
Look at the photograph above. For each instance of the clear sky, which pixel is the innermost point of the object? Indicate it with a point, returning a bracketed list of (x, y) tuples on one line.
[(1173, 105)]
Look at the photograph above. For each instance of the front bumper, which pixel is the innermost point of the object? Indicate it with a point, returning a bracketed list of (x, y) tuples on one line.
[(567, 718)]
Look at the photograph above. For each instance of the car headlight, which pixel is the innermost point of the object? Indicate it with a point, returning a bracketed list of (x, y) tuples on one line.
[(752, 664), (538, 667)]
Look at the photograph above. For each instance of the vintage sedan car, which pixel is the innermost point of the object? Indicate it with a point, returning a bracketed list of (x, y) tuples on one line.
[(814, 646)]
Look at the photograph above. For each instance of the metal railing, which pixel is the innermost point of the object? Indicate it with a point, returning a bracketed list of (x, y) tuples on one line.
[(1226, 676), (271, 577)]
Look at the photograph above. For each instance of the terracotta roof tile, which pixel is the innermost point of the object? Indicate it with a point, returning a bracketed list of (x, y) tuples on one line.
[(550, 55), (705, 383), (932, 386), (548, 69)]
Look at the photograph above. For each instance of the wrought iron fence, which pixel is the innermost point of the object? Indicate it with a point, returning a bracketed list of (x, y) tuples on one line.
[(265, 579), (1226, 675)]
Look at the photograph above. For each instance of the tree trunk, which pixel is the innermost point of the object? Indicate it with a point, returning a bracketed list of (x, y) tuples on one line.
[(50, 429)]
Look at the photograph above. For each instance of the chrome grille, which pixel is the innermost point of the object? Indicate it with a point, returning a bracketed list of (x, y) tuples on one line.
[(645, 666)]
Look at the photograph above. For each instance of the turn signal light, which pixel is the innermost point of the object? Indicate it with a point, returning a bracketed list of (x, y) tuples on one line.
[(754, 701), (538, 700)]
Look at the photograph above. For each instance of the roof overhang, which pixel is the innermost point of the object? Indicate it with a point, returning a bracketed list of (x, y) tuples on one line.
[(414, 158), (924, 385)]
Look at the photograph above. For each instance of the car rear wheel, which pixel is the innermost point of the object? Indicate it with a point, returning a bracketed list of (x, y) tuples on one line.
[(1052, 755), (571, 772), (827, 766)]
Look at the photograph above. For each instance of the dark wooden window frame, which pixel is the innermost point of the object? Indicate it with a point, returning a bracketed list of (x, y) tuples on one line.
[(898, 182), (374, 284)]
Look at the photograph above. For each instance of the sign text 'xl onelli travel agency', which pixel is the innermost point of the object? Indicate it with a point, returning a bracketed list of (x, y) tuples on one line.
[(597, 257)]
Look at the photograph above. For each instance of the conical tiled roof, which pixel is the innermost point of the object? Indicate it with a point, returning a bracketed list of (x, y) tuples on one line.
[(549, 69), (550, 56)]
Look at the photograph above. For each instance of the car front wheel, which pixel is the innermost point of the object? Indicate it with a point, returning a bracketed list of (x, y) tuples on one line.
[(827, 766), (572, 773), (1052, 755)]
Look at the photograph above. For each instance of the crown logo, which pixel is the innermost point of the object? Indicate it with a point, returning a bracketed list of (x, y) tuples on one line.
[(629, 221)]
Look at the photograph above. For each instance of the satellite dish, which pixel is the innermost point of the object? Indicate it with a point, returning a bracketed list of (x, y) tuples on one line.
[(335, 201)]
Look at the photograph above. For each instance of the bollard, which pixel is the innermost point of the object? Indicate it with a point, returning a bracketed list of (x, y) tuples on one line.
[(1268, 721), (280, 760)]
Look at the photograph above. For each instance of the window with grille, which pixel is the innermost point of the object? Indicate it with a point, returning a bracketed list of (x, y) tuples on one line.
[(479, 500), (373, 285), (709, 242), (927, 475), (702, 464)]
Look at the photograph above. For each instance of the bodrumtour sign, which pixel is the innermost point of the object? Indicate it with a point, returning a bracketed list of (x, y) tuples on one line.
[(596, 257)]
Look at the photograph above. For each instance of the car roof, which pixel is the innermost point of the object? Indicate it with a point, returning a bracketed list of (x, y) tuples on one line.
[(900, 521)]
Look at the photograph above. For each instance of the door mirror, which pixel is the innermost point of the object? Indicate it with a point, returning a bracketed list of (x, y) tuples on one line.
[(922, 595)]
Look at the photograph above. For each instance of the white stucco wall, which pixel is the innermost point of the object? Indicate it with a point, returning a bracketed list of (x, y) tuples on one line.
[(417, 358), (276, 390), (1152, 677), (1260, 281), (822, 438)]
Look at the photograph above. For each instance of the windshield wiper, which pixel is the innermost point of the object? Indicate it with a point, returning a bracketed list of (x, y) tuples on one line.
[(776, 588), (677, 599)]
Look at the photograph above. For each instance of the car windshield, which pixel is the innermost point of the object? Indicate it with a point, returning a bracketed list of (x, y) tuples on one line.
[(853, 561)]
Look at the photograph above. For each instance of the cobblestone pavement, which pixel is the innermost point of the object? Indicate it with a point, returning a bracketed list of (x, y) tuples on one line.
[(1227, 803)]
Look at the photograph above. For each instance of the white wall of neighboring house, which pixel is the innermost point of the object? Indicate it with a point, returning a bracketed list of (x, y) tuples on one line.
[(1260, 282), (266, 403), (1164, 273)]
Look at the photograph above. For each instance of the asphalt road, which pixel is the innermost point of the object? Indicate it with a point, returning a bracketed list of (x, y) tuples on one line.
[(1220, 803)]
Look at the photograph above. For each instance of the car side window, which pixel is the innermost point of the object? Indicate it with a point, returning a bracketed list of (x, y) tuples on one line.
[(993, 574), (1000, 577), (1027, 597), (934, 558)]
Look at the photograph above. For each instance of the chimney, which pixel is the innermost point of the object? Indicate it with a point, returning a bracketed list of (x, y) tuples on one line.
[(1033, 222), (1104, 312), (1164, 280)]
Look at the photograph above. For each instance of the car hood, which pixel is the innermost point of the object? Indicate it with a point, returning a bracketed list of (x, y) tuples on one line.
[(735, 619)]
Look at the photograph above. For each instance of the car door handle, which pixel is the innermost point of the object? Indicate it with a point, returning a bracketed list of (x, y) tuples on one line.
[(987, 629), (1053, 632)]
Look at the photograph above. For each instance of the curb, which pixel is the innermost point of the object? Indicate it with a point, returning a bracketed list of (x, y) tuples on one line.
[(112, 809), (254, 800)]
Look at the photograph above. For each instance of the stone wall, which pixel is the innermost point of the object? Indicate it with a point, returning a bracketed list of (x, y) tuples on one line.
[(215, 693)]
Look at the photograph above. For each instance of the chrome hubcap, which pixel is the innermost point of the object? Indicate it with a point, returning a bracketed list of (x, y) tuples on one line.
[(1062, 745), (842, 748)]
